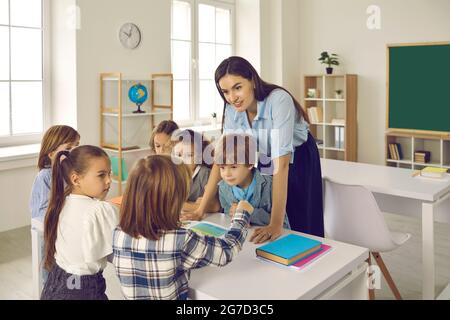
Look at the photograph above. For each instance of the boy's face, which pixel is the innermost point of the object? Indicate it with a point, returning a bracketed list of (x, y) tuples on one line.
[(235, 174), (186, 152)]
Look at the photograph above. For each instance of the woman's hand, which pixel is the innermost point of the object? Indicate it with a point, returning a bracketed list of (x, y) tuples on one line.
[(267, 233)]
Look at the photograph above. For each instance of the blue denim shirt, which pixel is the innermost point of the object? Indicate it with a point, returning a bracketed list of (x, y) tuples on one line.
[(277, 127), (261, 200), (40, 193)]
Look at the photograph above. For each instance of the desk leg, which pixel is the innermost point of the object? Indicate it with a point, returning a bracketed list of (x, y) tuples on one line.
[(428, 284), (35, 263)]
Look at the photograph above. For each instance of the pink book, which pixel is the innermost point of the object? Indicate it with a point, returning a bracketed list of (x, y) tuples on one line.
[(302, 263)]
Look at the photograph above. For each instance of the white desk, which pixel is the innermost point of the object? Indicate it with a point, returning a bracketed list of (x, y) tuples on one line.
[(340, 274), (396, 191)]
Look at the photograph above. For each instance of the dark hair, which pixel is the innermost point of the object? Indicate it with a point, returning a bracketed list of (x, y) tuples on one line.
[(235, 149), (200, 144), (167, 127), (77, 161), (240, 67), (53, 138), (155, 193)]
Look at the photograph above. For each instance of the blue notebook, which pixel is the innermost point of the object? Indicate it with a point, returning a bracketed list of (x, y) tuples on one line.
[(289, 249)]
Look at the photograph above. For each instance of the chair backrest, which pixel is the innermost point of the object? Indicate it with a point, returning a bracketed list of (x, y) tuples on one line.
[(352, 215)]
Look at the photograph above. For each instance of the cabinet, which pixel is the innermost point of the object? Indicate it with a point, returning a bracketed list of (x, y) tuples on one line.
[(331, 104), (411, 142), (125, 135)]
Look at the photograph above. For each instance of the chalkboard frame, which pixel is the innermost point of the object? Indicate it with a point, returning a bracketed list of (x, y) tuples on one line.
[(388, 77)]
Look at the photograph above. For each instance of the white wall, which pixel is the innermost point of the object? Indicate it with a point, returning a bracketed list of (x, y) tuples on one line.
[(248, 42), (340, 27), (63, 26), (15, 189), (99, 50)]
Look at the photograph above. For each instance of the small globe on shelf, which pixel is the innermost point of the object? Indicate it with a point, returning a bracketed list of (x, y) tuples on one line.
[(138, 94)]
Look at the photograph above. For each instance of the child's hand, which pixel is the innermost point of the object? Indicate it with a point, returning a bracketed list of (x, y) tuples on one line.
[(244, 205), (233, 209)]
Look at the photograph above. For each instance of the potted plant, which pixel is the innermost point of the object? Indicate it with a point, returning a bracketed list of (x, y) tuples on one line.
[(214, 119), (338, 94), (330, 60)]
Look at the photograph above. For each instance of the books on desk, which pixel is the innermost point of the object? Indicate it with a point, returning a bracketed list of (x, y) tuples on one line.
[(433, 172), (289, 249)]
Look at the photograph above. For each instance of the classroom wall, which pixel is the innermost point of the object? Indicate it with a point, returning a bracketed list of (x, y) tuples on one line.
[(340, 27), (248, 44), (63, 27), (99, 50), (15, 189)]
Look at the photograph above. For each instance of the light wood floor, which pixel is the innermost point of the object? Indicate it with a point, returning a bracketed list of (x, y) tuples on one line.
[(404, 263)]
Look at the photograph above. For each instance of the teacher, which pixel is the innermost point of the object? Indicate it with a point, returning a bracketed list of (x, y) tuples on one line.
[(286, 148)]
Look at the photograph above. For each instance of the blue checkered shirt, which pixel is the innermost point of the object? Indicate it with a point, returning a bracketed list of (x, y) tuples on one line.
[(159, 269)]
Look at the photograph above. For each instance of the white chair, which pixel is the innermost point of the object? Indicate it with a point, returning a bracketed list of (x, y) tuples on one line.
[(352, 215)]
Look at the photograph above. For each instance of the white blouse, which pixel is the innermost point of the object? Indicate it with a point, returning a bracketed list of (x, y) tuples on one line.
[(84, 235)]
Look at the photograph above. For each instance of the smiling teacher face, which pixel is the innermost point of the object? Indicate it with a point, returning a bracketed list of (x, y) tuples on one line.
[(238, 92)]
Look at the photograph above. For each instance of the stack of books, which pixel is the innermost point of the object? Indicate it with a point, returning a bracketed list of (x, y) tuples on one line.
[(433, 172), (315, 114), (422, 156), (395, 151), (292, 250)]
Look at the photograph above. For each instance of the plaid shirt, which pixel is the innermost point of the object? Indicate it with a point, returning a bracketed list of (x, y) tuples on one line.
[(159, 269)]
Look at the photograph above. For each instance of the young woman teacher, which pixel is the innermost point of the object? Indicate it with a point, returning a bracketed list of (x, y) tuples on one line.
[(286, 148)]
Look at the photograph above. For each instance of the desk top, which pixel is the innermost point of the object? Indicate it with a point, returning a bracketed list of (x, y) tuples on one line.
[(387, 180), (248, 277)]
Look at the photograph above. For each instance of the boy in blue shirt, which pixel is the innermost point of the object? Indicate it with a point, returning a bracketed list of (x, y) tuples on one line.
[(235, 155)]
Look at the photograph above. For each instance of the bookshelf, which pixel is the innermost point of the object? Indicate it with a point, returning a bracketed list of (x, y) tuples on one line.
[(125, 135), (410, 142), (334, 124)]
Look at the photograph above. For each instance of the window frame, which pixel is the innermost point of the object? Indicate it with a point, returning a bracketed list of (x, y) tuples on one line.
[(194, 88), (32, 138)]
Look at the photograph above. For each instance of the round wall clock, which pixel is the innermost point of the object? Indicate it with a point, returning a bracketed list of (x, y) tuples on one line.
[(130, 35)]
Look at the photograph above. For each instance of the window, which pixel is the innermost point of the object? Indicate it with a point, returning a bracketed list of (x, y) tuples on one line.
[(21, 71), (202, 36)]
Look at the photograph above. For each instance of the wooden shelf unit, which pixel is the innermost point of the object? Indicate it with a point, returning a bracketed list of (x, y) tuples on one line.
[(334, 108), (412, 141), (117, 117)]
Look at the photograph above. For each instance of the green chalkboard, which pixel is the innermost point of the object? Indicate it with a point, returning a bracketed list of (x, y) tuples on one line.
[(419, 87)]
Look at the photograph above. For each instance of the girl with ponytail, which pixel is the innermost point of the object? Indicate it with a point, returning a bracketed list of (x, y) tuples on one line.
[(78, 225)]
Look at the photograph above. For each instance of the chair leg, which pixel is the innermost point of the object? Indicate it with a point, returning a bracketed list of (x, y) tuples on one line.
[(371, 291), (387, 275)]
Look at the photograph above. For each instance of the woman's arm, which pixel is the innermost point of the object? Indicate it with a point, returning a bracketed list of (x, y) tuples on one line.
[(209, 201), (279, 200)]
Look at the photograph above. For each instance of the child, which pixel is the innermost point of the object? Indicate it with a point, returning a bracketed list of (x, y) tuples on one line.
[(161, 138), (193, 148), (235, 156), (56, 138), (78, 225), (153, 255)]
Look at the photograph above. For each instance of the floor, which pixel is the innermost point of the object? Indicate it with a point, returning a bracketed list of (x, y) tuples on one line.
[(404, 263)]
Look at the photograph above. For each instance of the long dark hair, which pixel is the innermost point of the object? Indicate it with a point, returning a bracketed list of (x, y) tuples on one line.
[(240, 67), (77, 161)]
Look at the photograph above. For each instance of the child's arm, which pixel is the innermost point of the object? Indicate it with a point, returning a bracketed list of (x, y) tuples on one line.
[(200, 251)]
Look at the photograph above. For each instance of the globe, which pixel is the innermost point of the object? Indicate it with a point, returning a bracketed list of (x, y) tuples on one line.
[(138, 94)]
